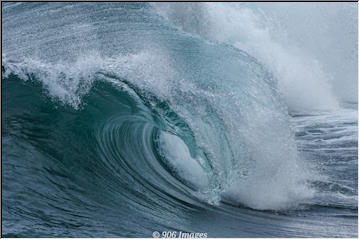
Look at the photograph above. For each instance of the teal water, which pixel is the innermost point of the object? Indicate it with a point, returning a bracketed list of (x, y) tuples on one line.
[(118, 123)]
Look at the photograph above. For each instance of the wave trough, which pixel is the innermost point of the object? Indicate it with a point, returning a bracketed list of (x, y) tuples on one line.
[(144, 120)]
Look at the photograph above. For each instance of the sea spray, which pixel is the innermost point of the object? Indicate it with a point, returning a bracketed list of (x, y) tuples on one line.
[(300, 78), (114, 113)]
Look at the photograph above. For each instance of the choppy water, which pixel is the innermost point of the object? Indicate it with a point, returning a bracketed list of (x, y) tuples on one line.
[(122, 119)]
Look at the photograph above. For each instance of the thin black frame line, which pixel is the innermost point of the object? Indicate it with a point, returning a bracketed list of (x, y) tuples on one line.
[(1, 124), (111, 1)]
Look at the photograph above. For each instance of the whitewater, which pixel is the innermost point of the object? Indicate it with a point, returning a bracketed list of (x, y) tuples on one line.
[(121, 119)]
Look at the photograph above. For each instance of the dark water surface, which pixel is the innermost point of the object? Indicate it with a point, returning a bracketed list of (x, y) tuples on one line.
[(115, 123)]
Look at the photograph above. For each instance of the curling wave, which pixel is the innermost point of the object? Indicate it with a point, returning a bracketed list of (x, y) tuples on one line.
[(142, 121)]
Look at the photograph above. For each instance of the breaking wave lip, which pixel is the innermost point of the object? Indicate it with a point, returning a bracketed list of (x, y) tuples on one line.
[(176, 126), (261, 170), (300, 78)]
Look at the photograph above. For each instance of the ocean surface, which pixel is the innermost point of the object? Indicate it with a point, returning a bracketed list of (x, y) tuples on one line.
[(121, 119)]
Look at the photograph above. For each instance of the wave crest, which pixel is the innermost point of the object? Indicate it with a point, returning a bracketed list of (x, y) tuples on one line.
[(239, 140), (300, 78)]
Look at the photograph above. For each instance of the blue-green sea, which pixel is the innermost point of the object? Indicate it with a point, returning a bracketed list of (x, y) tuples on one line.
[(121, 119)]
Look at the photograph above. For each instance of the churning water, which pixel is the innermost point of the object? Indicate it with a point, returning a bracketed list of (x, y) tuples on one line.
[(120, 119)]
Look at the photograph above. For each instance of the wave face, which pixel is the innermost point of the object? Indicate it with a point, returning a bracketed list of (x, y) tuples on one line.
[(113, 113)]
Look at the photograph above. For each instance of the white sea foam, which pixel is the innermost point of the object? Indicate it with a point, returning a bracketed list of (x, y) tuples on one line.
[(181, 161), (245, 134), (240, 125), (301, 78)]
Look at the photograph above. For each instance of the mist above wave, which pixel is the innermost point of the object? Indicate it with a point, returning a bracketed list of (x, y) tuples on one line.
[(301, 78), (241, 128), (232, 105)]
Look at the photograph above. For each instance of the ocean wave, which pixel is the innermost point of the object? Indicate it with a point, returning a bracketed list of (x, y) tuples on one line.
[(133, 113), (227, 159)]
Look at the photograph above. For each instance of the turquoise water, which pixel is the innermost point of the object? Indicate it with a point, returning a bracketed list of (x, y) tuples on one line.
[(116, 122)]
